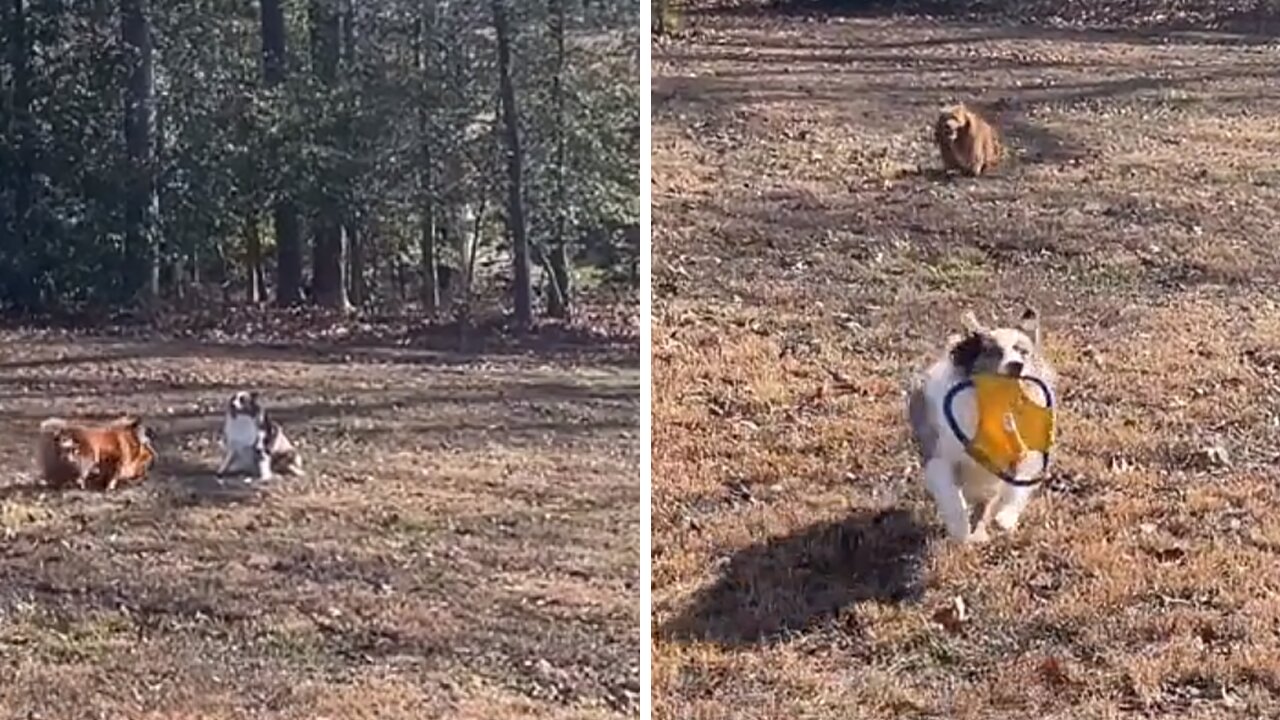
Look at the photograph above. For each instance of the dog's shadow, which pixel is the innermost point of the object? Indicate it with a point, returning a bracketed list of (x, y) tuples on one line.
[(24, 489), (189, 483), (792, 584)]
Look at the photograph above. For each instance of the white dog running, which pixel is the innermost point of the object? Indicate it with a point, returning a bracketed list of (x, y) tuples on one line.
[(957, 483)]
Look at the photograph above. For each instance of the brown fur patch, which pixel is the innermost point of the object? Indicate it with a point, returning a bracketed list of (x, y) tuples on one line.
[(968, 142), (94, 456)]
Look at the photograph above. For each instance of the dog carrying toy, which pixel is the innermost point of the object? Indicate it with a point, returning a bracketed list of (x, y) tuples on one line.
[(1011, 425)]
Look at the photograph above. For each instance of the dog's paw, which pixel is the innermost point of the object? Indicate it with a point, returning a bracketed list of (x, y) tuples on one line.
[(979, 535), (1007, 519)]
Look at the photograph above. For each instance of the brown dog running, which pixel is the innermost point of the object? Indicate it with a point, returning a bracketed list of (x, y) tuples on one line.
[(968, 142), (94, 456)]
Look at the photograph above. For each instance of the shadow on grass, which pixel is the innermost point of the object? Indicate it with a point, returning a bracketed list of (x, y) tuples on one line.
[(26, 490), (1217, 23), (794, 583), (188, 483), (328, 353), (321, 337)]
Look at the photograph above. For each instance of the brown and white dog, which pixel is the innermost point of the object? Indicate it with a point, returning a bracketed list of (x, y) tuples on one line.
[(98, 456), (254, 442), (957, 483), (968, 142)]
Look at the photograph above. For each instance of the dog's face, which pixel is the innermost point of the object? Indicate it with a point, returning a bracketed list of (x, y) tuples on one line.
[(244, 402), (146, 441), (144, 451), (953, 124), (1003, 351)]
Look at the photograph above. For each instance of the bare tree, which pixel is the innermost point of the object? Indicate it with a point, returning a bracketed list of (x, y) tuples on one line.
[(141, 201), (285, 212), (427, 175), (329, 252), (20, 131), (515, 159), (558, 278)]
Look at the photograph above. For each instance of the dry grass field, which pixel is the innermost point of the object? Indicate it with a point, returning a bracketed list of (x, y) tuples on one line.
[(808, 260), (465, 543)]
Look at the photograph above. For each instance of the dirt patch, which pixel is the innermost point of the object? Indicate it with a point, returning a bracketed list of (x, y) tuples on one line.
[(808, 259), (464, 542)]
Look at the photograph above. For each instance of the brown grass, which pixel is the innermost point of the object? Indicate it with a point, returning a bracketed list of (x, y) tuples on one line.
[(807, 260), (464, 544)]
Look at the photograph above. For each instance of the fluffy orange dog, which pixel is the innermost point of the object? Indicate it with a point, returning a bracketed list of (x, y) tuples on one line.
[(100, 456), (968, 143)]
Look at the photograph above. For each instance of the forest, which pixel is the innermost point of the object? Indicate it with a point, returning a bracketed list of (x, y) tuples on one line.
[(439, 157)]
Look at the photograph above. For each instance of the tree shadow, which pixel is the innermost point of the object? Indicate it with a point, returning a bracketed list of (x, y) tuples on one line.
[(317, 353), (794, 583), (320, 337), (1210, 24)]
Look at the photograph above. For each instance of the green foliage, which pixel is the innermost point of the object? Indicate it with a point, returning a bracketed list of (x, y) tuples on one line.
[(227, 146)]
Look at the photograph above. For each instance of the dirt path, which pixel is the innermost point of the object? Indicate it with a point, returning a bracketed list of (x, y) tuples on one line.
[(808, 260), (465, 541)]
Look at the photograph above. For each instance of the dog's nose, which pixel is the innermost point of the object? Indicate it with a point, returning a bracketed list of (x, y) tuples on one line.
[(1014, 368)]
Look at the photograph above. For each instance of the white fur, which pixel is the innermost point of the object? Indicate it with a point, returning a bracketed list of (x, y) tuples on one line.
[(241, 435), (957, 483)]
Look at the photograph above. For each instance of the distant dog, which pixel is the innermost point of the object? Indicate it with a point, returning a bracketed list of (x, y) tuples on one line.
[(968, 143), (254, 442), (94, 456), (955, 481)]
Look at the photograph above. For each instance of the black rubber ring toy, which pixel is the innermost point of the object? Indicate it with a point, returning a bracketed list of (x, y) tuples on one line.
[(948, 411)]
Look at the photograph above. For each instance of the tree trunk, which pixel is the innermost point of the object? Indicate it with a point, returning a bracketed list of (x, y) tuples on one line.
[(356, 271), (329, 256), (329, 281), (427, 184), (21, 133), (288, 252), (473, 249), (141, 203), (353, 260), (558, 297), (285, 212), (253, 259), (522, 289)]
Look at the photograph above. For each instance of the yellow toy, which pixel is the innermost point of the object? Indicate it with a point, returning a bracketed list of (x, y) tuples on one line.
[(1010, 424)]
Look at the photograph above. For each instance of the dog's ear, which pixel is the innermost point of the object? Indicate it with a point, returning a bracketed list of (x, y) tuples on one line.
[(965, 353), (1029, 323)]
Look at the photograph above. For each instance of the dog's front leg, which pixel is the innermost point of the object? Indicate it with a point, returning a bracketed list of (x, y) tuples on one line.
[(264, 466), (226, 462), (1009, 504), (940, 481)]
